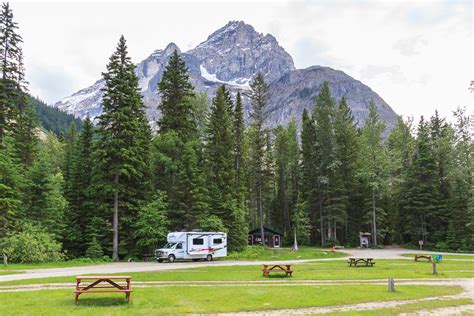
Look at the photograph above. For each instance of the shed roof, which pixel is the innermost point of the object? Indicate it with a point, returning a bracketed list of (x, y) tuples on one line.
[(266, 231)]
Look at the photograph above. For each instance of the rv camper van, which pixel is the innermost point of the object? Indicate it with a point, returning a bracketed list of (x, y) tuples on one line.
[(193, 245)]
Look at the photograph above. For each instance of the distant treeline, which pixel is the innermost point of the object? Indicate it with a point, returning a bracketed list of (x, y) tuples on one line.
[(52, 119)]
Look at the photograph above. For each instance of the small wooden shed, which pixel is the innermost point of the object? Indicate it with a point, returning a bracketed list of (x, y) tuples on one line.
[(272, 237)]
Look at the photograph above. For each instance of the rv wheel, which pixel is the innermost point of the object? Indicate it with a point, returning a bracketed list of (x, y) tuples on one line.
[(171, 258), (209, 258)]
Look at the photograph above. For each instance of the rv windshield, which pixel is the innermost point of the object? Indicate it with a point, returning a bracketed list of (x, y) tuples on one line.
[(169, 245)]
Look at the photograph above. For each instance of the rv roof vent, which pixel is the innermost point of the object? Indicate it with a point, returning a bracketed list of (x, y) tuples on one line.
[(196, 230)]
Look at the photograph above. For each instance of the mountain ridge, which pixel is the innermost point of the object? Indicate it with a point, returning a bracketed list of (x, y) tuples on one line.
[(232, 55)]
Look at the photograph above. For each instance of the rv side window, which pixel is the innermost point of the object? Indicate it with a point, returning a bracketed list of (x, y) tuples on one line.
[(218, 241), (179, 246), (198, 241)]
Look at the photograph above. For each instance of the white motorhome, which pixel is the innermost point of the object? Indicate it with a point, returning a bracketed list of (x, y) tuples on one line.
[(193, 245)]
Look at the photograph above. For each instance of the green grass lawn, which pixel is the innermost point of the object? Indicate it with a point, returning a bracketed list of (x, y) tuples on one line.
[(265, 253), (318, 270), (172, 300), (467, 257)]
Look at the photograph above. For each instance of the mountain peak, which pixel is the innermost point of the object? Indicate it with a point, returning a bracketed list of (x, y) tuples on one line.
[(170, 48), (232, 27), (236, 51)]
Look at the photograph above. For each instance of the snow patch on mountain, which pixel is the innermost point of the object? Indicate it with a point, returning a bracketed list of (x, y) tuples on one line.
[(242, 83)]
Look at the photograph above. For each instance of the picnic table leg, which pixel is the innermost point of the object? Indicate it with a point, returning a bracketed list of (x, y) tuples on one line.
[(76, 295), (128, 294)]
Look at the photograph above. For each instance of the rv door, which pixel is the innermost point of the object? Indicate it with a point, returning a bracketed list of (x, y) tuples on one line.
[(197, 244)]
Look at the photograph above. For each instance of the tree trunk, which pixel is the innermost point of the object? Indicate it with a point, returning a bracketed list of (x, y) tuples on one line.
[(115, 256), (374, 219), (260, 214), (323, 240)]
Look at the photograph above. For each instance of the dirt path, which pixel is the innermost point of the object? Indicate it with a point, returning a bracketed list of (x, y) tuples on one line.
[(127, 267), (467, 284), (282, 282)]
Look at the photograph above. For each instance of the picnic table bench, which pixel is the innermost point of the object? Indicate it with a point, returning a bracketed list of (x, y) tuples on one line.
[(427, 257), (361, 261), (277, 267), (111, 285)]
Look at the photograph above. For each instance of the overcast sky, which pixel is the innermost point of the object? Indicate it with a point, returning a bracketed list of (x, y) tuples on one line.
[(417, 55)]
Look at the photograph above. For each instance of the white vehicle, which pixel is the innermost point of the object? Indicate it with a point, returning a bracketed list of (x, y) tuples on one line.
[(193, 245)]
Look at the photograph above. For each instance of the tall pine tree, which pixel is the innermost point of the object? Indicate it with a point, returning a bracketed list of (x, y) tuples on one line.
[(123, 143)]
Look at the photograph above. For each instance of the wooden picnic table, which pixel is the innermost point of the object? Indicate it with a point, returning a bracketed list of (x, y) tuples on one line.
[(277, 267), (427, 257), (361, 261), (111, 285)]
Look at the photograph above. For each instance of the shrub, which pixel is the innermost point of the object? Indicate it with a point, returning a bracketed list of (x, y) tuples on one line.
[(332, 241), (442, 246), (250, 252), (31, 244), (94, 251)]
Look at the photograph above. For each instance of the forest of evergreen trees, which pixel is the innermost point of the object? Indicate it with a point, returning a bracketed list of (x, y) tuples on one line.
[(115, 188)]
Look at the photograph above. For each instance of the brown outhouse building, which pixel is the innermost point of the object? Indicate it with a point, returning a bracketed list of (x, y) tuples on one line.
[(272, 237)]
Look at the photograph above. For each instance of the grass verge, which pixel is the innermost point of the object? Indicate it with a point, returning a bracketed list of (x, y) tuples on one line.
[(266, 253), (179, 299), (318, 270)]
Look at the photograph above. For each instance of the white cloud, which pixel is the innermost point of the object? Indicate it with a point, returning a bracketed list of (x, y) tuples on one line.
[(415, 55)]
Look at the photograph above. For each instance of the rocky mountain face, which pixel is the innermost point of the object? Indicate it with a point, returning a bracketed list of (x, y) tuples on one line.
[(232, 56)]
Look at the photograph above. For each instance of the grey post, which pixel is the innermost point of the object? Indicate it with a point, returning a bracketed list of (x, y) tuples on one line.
[(5, 260), (391, 285), (434, 267)]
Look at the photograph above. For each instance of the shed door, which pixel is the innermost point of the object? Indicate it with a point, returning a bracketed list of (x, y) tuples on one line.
[(277, 241)]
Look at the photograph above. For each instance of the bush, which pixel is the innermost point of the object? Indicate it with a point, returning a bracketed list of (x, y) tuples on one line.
[(31, 245), (94, 251), (332, 241), (250, 252), (442, 246)]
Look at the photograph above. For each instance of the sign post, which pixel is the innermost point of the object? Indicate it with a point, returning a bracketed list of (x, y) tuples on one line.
[(420, 242)]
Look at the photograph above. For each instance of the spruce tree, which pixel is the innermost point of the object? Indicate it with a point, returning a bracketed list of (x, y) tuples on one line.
[(258, 99), (44, 195), (373, 164), (79, 187), (421, 193), (175, 106), (123, 143), (346, 169), (219, 156), (323, 116), (400, 146), (11, 64), (239, 129), (309, 202), (11, 185), (192, 197), (461, 215)]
